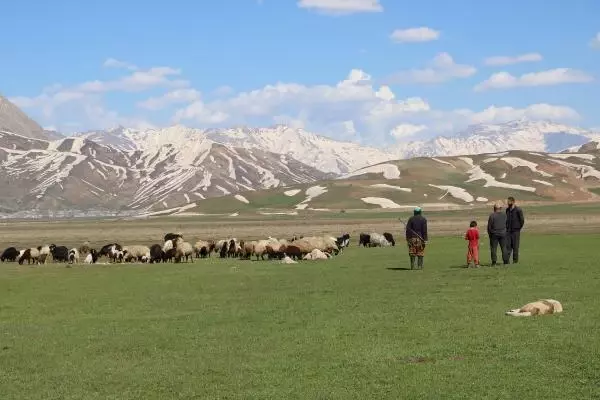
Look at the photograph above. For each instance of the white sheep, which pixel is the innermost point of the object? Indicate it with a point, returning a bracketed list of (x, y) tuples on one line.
[(136, 253), (44, 253), (184, 249), (31, 255), (378, 239), (73, 256)]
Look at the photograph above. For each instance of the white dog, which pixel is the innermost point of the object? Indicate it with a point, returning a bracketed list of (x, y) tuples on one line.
[(540, 307)]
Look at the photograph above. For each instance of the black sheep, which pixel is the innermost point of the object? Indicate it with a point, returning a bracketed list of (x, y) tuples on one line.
[(59, 253), (223, 251), (364, 239), (173, 237), (343, 241), (169, 255), (388, 236), (232, 249), (111, 251), (9, 254), (156, 253)]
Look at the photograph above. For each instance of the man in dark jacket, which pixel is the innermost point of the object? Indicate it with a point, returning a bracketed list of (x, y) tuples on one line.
[(416, 237), (514, 223), (496, 229)]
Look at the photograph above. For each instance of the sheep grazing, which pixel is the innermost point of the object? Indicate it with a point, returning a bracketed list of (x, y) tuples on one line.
[(30, 255), (59, 253), (183, 250), (292, 251), (247, 250), (260, 247), (364, 239), (326, 244), (343, 241), (202, 249), (113, 251), (378, 240), (156, 254), (10, 254), (85, 249), (390, 238), (232, 250), (136, 253), (44, 253), (92, 257), (224, 249), (73, 256), (276, 249), (169, 255)]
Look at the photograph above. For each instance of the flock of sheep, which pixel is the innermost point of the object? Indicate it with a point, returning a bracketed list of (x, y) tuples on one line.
[(175, 248)]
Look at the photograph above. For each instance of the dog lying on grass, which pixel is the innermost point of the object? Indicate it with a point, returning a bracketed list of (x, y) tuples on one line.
[(540, 307)]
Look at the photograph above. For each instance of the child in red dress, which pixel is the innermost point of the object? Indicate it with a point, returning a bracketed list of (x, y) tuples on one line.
[(472, 236)]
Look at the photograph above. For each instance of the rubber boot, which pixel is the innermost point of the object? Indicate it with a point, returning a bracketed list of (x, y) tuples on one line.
[(420, 262), (412, 262)]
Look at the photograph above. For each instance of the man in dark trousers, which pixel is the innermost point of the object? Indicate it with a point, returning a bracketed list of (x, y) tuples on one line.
[(514, 223), (416, 237), (496, 229)]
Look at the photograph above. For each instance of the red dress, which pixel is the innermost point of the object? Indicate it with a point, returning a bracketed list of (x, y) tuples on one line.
[(472, 236)]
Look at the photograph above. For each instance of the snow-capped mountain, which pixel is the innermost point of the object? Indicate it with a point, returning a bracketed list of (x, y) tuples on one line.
[(515, 135), (319, 152), (128, 170), (76, 173)]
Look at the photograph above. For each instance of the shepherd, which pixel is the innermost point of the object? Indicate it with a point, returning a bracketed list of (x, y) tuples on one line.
[(416, 237), (514, 223)]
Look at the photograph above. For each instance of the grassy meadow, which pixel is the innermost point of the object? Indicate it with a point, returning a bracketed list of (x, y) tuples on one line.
[(359, 326)]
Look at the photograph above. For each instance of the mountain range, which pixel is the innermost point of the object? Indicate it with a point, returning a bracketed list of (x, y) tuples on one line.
[(128, 171)]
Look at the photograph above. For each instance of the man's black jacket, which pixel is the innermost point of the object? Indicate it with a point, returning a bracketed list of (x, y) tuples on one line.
[(514, 219)]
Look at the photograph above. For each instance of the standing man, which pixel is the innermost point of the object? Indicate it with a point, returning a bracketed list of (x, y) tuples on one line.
[(416, 237), (496, 229), (514, 223)]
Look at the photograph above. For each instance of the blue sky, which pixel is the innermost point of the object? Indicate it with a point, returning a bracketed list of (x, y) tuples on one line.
[(363, 70)]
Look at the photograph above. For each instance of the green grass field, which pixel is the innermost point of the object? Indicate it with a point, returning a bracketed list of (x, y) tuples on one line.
[(354, 327)]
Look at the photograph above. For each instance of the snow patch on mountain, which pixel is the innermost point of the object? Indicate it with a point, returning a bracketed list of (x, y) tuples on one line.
[(456, 192), (241, 198), (381, 202), (476, 174), (386, 186)]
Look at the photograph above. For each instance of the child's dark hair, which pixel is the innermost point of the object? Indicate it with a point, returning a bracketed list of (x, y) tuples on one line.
[(473, 224)]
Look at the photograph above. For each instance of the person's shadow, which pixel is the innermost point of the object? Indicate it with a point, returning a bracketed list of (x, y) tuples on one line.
[(398, 269)]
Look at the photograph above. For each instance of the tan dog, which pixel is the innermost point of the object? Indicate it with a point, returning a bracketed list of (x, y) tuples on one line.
[(540, 307)]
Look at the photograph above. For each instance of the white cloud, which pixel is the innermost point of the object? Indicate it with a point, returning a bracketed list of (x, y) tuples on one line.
[(406, 130), (541, 111), (595, 42), (341, 7), (558, 76), (112, 63), (353, 96), (174, 97), (411, 35), (507, 60), (441, 69), (355, 108)]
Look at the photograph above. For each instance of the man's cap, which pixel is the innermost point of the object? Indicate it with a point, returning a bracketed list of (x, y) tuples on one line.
[(418, 209)]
